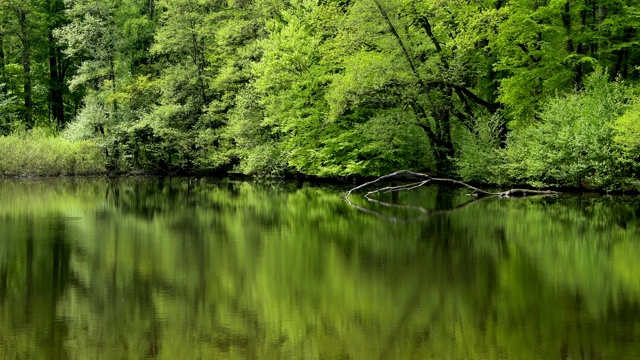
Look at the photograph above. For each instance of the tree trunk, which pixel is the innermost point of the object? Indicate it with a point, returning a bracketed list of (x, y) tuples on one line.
[(152, 8), (444, 163), (444, 152), (56, 60), (112, 77), (26, 67), (56, 83), (3, 80)]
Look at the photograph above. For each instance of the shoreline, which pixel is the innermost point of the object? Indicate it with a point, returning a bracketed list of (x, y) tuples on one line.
[(301, 178)]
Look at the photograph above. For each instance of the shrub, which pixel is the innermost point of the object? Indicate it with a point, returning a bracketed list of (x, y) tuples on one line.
[(573, 144), (479, 156)]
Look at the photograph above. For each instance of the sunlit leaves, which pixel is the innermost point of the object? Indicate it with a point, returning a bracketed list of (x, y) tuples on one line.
[(573, 145)]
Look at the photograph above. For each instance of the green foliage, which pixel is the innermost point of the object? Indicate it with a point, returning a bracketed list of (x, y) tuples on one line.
[(37, 153), (254, 147), (479, 153), (628, 127), (573, 144), (10, 112), (388, 141), (329, 88), (547, 48)]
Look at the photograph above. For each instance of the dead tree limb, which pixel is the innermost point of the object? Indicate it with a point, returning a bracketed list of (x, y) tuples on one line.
[(426, 180), (430, 179)]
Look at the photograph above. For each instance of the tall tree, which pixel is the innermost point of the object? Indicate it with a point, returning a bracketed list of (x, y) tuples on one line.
[(418, 58), (19, 15), (58, 63), (560, 43), (28, 41), (110, 40)]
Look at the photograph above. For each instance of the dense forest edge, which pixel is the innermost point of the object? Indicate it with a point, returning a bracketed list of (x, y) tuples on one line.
[(543, 93)]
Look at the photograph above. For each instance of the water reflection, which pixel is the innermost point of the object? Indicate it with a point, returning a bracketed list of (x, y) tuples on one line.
[(174, 269)]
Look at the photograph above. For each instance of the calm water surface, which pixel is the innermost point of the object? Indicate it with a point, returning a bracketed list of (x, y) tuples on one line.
[(177, 269)]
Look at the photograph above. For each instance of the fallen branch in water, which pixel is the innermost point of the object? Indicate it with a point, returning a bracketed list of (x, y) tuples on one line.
[(426, 180)]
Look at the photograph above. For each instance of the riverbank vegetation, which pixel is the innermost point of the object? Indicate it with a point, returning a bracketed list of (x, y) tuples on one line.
[(543, 93), (36, 153)]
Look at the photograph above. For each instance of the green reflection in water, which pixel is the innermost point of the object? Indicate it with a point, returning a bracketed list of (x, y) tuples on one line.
[(172, 269)]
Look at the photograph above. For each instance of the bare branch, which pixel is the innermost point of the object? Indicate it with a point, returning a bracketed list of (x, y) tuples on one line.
[(416, 174), (492, 107), (478, 193)]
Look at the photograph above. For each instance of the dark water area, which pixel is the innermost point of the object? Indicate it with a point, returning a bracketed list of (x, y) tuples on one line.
[(178, 269)]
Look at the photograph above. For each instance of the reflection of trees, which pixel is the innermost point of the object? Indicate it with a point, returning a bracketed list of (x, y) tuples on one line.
[(33, 277), (229, 270)]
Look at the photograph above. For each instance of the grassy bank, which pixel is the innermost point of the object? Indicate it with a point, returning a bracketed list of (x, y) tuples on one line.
[(37, 153)]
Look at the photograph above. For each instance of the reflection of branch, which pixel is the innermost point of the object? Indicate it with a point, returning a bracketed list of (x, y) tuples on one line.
[(426, 212), (401, 206), (375, 213), (479, 195)]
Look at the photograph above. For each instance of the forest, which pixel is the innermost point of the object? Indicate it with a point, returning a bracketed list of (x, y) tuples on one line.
[(538, 92)]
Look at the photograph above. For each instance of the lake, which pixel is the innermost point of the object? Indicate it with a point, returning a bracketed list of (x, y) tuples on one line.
[(171, 268)]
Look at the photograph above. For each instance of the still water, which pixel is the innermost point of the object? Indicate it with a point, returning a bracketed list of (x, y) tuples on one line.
[(209, 269)]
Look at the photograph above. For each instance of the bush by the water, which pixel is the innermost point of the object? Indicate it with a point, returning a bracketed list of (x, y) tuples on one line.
[(584, 139), (37, 153), (573, 143)]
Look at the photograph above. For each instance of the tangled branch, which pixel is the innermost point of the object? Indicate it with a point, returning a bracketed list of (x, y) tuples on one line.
[(425, 179)]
